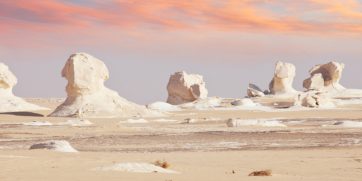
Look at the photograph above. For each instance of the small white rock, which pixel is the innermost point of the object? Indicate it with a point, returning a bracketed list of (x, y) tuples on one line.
[(54, 145)]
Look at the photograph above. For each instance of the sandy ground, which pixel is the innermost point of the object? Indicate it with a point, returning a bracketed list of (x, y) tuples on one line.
[(311, 147)]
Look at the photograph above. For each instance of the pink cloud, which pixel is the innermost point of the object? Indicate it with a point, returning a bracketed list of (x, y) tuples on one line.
[(231, 15)]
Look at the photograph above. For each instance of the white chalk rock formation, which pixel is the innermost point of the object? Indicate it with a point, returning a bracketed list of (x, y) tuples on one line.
[(316, 100), (282, 82), (8, 101), (315, 82), (329, 74), (254, 91), (54, 145), (183, 88), (87, 95)]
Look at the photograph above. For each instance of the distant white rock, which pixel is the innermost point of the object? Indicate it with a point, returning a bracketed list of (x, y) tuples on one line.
[(8, 101), (163, 106), (184, 88), (282, 82), (315, 82), (254, 91), (137, 168), (330, 74), (54, 145), (87, 95), (315, 99), (254, 122)]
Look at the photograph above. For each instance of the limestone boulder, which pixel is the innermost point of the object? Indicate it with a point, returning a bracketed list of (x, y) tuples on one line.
[(184, 88), (54, 145), (87, 95), (8, 101), (254, 91), (315, 82), (315, 99), (282, 82), (330, 74)]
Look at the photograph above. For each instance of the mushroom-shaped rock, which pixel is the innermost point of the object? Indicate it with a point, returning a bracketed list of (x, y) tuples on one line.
[(254, 91), (282, 82), (183, 88), (87, 95), (330, 73), (8, 101)]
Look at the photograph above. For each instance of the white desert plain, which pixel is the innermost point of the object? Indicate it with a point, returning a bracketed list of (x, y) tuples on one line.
[(95, 134)]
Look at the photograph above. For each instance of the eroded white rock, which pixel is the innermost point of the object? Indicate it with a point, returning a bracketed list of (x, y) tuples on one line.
[(183, 88), (8, 101), (87, 95), (254, 91), (54, 145), (330, 73), (282, 82), (315, 99)]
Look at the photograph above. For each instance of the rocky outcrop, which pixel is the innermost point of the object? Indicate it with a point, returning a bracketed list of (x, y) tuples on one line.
[(54, 145), (315, 99), (282, 82), (315, 82), (88, 97), (325, 77), (184, 88), (254, 91), (8, 101), (246, 102)]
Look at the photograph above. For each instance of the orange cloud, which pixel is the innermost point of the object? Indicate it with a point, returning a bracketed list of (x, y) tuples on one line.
[(228, 15)]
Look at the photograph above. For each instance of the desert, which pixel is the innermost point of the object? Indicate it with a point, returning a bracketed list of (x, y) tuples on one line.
[(172, 90), (96, 134)]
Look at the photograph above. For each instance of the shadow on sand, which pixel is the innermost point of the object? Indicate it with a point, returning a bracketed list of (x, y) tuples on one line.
[(24, 114)]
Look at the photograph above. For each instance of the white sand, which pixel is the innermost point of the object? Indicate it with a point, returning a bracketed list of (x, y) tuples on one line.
[(163, 106), (137, 168), (37, 123), (76, 122), (254, 122), (348, 124), (136, 121)]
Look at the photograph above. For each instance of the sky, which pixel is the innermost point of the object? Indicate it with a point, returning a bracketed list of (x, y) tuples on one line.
[(230, 42)]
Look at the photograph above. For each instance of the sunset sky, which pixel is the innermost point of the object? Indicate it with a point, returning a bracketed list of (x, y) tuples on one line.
[(229, 42)]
